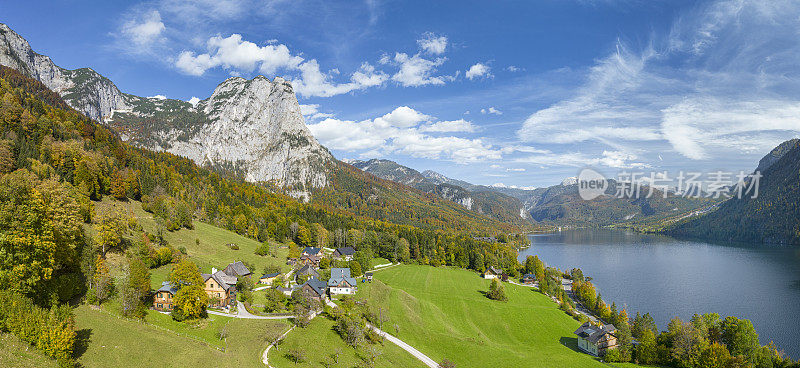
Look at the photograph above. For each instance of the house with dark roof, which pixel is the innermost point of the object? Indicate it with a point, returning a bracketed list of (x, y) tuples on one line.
[(311, 251), (221, 288), (529, 279), (344, 253), (237, 269), (368, 276), (268, 278), (307, 270), (162, 298), (312, 260), (596, 340), (493, 272), (314, 289), (341, 282)]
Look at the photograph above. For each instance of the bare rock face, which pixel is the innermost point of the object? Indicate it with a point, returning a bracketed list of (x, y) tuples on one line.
[(257, 126), (83, 89), (253, 128)]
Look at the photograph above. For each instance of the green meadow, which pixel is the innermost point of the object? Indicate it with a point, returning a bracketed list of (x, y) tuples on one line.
[(319, 342), (444, 313), (107, 340)]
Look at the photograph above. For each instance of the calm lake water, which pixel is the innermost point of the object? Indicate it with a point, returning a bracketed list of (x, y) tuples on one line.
[(668, 277)]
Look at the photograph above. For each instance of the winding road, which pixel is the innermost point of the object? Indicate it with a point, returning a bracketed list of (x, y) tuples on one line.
[(410, 349)]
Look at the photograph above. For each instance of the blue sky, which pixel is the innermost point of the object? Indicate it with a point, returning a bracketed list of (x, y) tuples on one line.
[(523, 93)]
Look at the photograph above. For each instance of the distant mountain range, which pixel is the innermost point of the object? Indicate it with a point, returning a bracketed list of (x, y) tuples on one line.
[(473, 197), (772, 217), (558, 205)]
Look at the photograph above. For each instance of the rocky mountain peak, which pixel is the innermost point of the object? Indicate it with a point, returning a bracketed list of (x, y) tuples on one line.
[(776, 154), (253, 128), (84, 89)]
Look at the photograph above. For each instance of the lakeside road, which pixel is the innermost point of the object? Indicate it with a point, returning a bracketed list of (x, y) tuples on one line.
[(566, 284)]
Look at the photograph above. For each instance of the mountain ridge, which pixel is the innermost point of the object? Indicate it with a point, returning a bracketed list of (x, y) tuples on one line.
[(772, 217), (251, 128)]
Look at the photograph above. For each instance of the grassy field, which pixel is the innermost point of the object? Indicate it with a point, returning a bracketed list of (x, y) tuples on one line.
[(444, 313), (212, 250), (18, 354), (318, 341), (117, 342)]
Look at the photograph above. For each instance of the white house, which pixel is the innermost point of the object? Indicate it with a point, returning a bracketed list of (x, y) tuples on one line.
[(341, 282), (596, 340)]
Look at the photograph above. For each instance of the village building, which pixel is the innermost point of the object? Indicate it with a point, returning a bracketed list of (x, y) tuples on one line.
[(311, 260), (285, 290), (493, 273), (341, 282), (311, 251), (162, 300), (314, 289), (596, 340), (268, 278), (344, 253), (237, 269), (368, 276), (221, 288), (528, 279), (307, 270)]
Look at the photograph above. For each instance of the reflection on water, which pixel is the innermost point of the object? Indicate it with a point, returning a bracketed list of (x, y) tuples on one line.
[(669, 277)]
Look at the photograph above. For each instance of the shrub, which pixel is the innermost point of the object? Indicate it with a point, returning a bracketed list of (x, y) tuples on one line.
[(51, 330), (263, 249), (613, 356), (496, 291)]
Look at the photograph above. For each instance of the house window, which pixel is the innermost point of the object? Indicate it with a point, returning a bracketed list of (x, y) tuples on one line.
[(159, 306)]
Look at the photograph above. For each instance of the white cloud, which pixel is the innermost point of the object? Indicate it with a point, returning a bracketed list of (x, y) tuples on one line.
[(695, 126), (234, 53), (402, 117), (612, 159), (158, 97), (512, 68), (400, 132), (346, 135), (478, 70), (310, 109), (459, 125), (311, 112), (433, 44), (416, 71), (716, 86), (491, 110), (313, 82), (194, 100), (237, 55), (145, 31)]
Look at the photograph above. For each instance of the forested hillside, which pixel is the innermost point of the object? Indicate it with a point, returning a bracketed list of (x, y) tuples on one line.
[(480, 201), (55, 163), (772, 217)]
